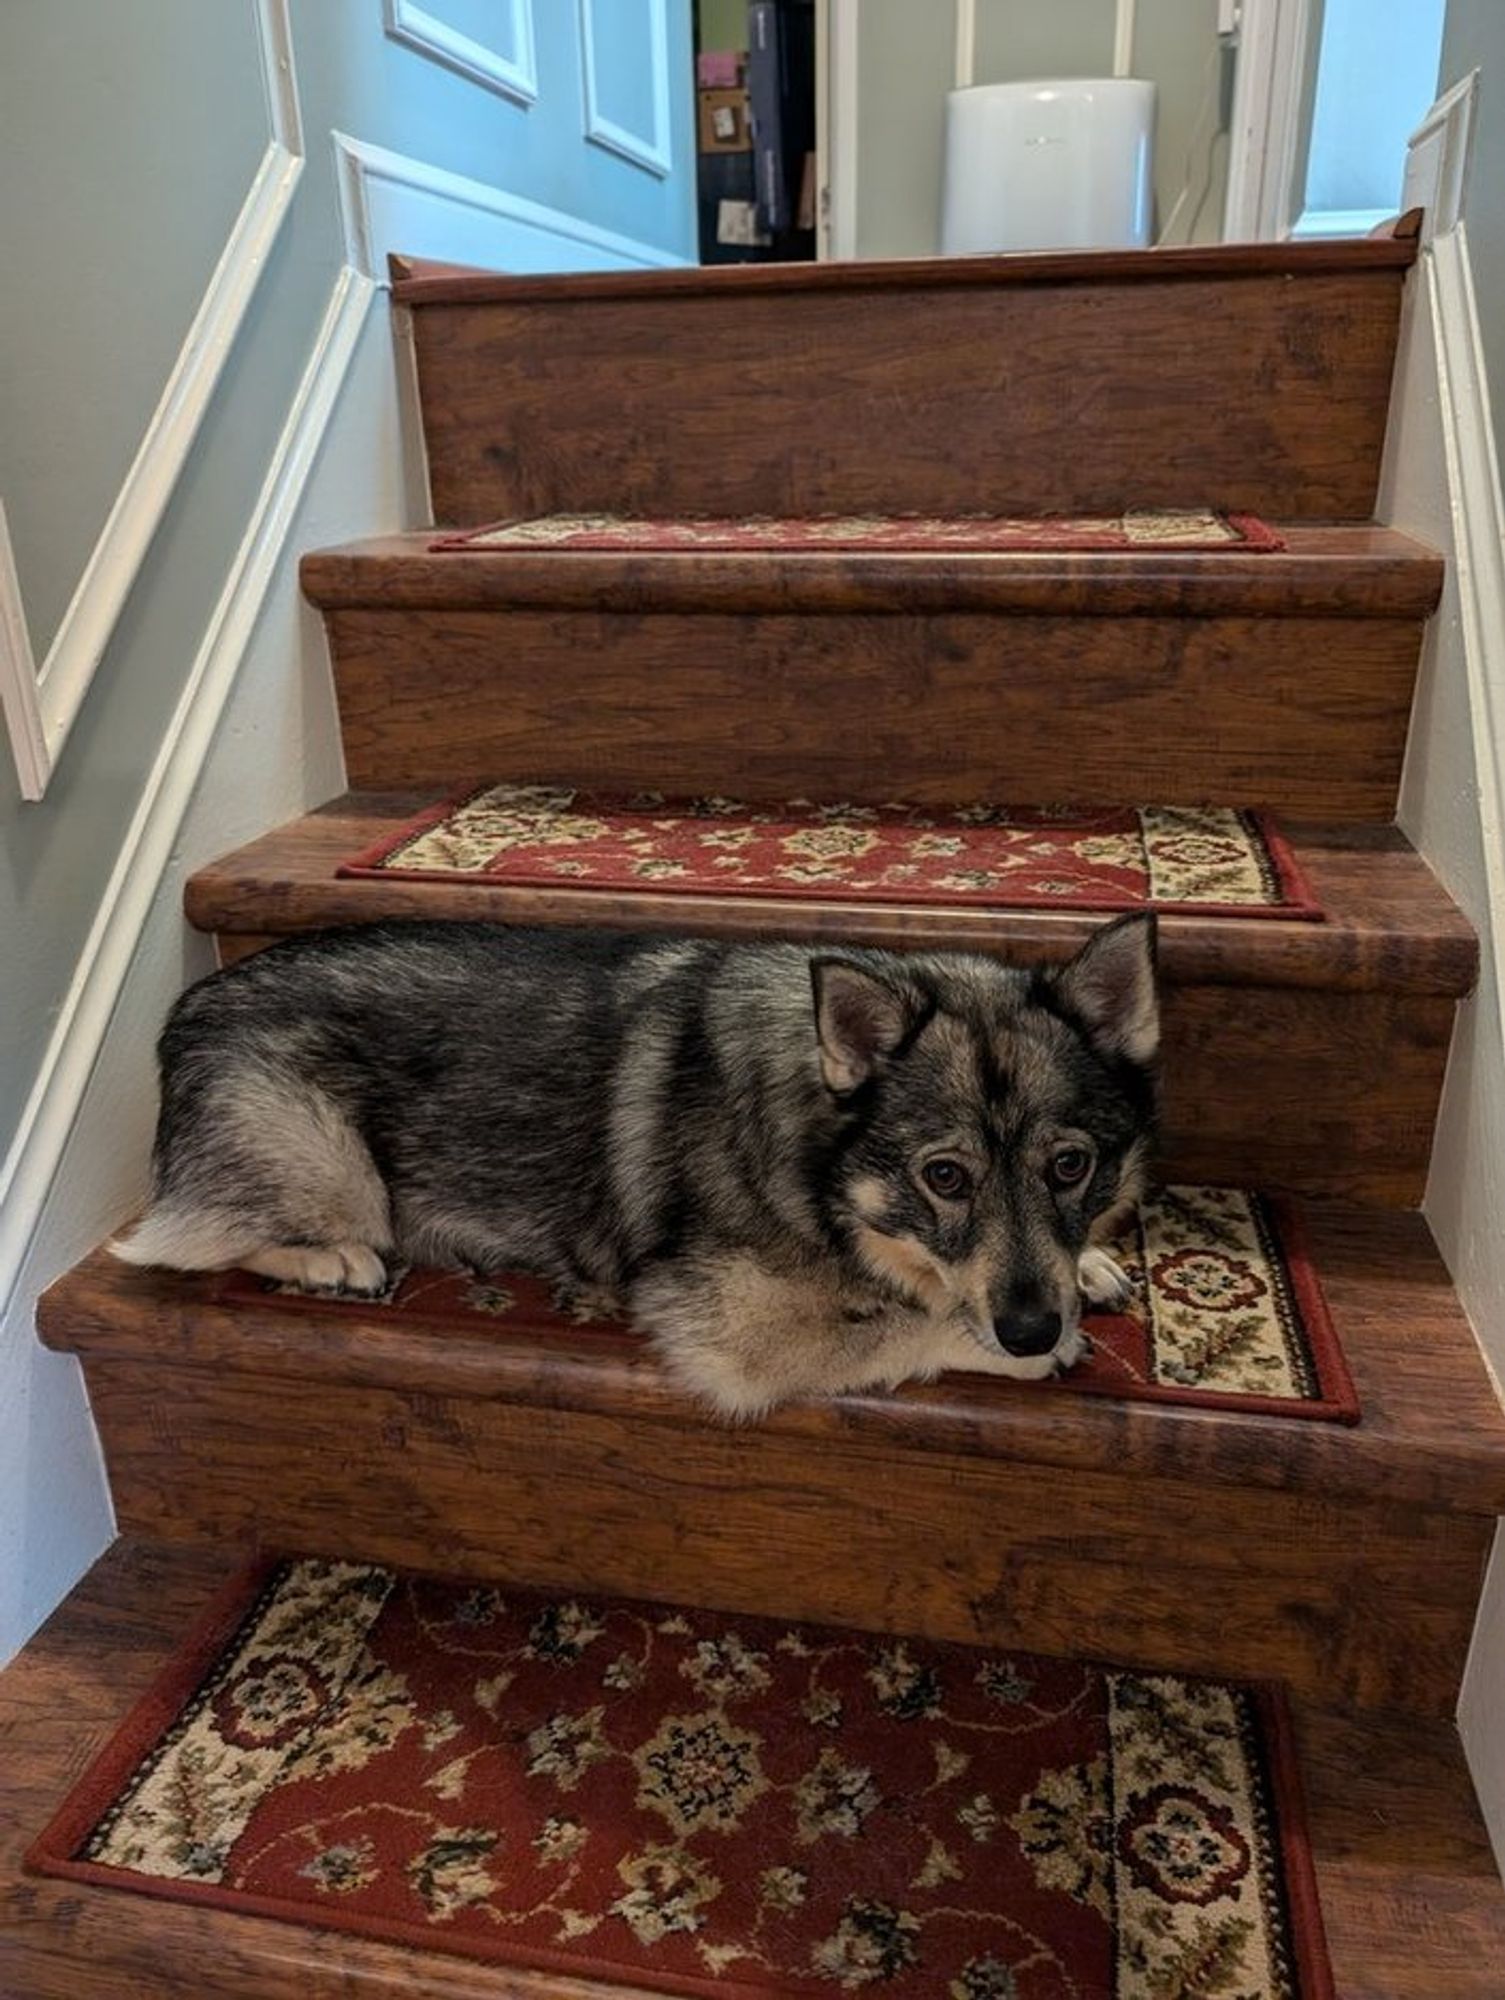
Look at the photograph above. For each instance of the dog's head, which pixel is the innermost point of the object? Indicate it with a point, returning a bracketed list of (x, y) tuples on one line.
[(992, 1117)]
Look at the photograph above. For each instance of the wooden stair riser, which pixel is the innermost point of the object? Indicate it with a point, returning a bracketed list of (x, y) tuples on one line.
[(1302, 716), (1330, 1094), (1369, 1604), (1265, 391)]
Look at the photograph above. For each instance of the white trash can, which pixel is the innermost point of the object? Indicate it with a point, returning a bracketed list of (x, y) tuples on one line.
[(1061, 164)]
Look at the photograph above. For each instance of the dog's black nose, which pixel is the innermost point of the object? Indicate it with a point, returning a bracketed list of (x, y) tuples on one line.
[(1028, 1332)]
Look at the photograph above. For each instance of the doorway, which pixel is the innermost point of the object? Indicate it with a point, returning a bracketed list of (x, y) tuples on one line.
[(888, 66), (755, 114)]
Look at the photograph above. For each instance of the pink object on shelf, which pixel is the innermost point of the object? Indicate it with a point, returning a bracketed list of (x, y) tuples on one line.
[(720, 69)]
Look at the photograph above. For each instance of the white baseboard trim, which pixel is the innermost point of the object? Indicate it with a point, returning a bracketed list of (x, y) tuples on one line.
[(1478, 516), (1479, 549), (41, 703), (392, 204), (1441, 482), (32, 1161)]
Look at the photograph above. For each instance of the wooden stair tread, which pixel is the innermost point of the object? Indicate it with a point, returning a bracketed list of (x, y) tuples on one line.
[(1412, 1905), (1340, 571), (1389, 923), (445, 284), (1432, 1431), (59, 1702)]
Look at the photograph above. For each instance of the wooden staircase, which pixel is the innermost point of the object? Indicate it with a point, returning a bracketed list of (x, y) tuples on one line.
[(1303, 1056)]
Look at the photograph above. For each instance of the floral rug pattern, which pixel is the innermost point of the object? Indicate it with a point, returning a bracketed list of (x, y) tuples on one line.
[(704, 1803), (1205, 858), (1225, 1312), (1196, 528)]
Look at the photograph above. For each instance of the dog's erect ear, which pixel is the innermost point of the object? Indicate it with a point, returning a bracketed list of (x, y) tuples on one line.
[(860, 1019), (1110, 987)]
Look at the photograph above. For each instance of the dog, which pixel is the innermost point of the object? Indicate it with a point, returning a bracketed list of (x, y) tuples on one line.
[(800, 1170)]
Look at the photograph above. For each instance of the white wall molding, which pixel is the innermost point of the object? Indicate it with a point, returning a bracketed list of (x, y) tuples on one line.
[(1437, 159), (1269, 90), (1464, 1184), (1441, 484), (41, 703), (513, 75), (31, 1164), (19, 692), (392, 204), (649, 150)]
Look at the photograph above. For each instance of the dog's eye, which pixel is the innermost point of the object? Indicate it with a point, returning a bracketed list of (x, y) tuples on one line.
[(947, 1178), (1069, 1167)]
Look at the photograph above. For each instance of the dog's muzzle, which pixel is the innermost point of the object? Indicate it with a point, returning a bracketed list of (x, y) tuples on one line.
[(1028, 1333)]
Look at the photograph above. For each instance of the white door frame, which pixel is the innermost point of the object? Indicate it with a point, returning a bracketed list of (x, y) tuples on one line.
[(1270, 90), (836, 129)]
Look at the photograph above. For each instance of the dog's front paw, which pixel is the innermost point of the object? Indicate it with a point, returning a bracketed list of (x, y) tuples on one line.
[(1102, 1282), (588, 1303), (349, 1270), (1072, 1347)]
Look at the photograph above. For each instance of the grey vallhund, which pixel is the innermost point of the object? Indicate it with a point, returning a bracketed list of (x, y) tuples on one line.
[(800, 1170)]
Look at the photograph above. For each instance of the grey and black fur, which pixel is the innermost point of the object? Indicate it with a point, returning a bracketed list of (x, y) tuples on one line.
[(802, 1171)]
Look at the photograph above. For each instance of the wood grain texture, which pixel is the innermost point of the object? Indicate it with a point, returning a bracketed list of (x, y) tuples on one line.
[(1411, 1903), (1304, 716), (1389, 925), (1326, 572), (1369, 1603), (919, 388), (1270, 1088), (1432, 1436)]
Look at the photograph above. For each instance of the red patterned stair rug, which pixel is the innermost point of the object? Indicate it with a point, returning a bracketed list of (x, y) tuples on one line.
[(1226, 1313), (706, 1804), (1138, 532), (1209, 860)]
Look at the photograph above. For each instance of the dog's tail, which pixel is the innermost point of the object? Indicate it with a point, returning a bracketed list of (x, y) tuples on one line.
[(188, 1239)]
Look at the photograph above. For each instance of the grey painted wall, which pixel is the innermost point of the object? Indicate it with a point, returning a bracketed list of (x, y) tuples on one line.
[(115, 191), (91, 148), (1176, 44), (1018, 39), (905, 65)]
